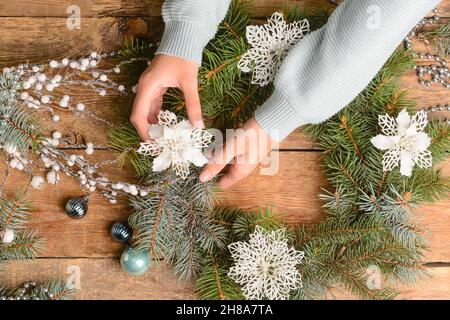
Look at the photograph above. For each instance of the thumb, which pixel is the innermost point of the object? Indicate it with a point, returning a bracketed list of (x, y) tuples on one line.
[(194, 109)]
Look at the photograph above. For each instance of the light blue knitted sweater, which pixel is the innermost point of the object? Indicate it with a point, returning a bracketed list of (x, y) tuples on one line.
[(321, 74)]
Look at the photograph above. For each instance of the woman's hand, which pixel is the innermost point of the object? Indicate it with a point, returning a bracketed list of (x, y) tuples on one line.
[(243, 152), (163, 73)]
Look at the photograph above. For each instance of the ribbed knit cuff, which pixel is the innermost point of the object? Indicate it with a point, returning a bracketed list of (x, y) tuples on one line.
[(277, 117), (182, 39)]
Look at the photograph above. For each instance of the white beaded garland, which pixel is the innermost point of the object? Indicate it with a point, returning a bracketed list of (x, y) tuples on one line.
[(20, 166), (63, 103), (7, 235), (89, 148), (45, 99), (37, 181), (54, 142), (52, 177), (74, 65), (42, 77), (13, 163), (53, 64), (49, 87), (81, 107), (56, 135)]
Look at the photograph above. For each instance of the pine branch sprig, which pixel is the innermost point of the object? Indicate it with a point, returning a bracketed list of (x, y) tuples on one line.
[(51, 290)]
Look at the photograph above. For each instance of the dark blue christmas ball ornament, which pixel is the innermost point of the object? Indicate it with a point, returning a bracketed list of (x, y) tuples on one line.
[(76, 208), (134, 262), (121, 232)]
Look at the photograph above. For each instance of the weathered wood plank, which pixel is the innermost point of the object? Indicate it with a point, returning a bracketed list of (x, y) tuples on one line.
[(88, 237), (87, 8), (50, 38), (131, 8), (435, 287), (267, 7), (423, 96), (103, 279), (292, 192), (109, 109)]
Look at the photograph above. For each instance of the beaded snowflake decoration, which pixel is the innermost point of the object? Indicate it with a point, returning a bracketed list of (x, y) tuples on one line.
[(175, 144), (265, 265), (404, 141), (270, 44)]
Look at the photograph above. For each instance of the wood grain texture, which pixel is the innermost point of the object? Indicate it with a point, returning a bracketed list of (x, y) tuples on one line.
[(88, 8), (43, 39), (435, 287), (88, 237), (124, 8), (292, 193), (131, 8), (40, 25), (109, 109), (102, 279)]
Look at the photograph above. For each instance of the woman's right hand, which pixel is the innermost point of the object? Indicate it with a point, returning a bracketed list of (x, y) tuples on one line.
[(163, 73)]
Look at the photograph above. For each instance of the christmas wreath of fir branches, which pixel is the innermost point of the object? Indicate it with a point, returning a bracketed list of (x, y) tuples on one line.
[(369, 213)]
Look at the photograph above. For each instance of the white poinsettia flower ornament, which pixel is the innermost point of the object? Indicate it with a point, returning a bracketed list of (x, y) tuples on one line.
[(175, 144), (270, 44), (404, 141), (265, 265)]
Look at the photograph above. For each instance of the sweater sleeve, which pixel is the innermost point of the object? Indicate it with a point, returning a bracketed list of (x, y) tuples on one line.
[(190, 25), (327, 69)]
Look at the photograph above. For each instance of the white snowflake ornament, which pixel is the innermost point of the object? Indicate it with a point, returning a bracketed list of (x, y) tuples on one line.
[(404, 141), (265, 265), (270, 44), (175, 144)]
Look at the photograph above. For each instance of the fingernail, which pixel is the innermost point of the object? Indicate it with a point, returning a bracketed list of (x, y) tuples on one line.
[(199, 124), (205, 176)]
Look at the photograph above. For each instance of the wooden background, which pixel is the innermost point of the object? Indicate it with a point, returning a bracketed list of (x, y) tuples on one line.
[(36, 31)]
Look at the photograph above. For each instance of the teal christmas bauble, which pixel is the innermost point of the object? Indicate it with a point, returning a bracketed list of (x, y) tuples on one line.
[(133, 262)]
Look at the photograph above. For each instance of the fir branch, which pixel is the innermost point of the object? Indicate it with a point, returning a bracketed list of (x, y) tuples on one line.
[(368, 217), (439, 38), (51, 290), (26, 245), (439, 132), (14, 213), (214, 284)]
